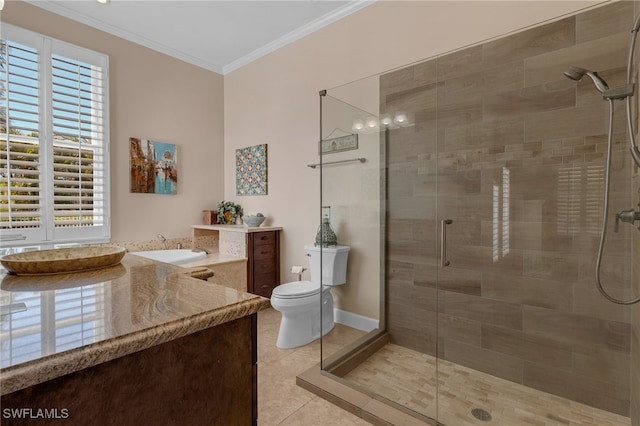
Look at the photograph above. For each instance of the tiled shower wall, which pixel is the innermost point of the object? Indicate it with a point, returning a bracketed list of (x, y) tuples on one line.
[(514, 153)]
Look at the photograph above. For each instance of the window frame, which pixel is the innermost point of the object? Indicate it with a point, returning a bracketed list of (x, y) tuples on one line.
[(48, 234)]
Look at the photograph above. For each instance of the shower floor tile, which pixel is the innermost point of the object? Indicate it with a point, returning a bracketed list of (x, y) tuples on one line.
[(392, 373)]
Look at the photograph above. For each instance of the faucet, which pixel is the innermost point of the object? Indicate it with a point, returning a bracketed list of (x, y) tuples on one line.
[(628, 216), (163, 240)]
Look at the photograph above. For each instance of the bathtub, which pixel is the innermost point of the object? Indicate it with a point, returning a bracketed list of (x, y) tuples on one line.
[(175, 256)]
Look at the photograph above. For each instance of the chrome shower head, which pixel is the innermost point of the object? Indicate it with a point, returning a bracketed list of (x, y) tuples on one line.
[(576, 73)]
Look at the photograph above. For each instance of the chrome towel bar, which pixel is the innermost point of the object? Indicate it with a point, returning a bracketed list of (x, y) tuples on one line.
[(362, 160)]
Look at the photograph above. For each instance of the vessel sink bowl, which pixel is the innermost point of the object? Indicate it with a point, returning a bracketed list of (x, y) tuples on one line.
[(253, 221), (43, 282), (62, 260)]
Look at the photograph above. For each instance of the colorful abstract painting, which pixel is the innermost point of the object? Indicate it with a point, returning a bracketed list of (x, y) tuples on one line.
[(251, 170), (153, 167)]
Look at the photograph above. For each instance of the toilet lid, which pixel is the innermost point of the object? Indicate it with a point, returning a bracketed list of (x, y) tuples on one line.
[(296, 289)]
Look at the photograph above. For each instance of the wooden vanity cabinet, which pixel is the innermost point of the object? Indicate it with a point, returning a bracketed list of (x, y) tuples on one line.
[(263, 266), (172, 383)]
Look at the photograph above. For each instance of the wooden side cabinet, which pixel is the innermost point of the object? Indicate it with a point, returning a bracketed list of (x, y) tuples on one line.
[(263, 265)]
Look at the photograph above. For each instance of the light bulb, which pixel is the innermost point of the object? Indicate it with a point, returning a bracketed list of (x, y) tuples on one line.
[(1, 4), (357, 125), (385, 120), (371, 123), (400, 118)]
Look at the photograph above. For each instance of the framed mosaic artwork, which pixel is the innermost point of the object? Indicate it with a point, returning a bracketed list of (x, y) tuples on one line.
[(251, 170)]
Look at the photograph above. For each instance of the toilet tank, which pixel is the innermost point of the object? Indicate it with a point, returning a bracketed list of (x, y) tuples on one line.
[(334, 261)]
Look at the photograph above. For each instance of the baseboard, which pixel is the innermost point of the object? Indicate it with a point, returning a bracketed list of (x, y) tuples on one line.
[(356, 321)]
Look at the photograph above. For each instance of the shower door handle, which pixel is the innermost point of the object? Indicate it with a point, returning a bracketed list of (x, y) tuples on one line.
[(444, 262)]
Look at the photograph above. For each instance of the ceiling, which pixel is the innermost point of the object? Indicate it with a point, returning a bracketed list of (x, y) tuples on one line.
[(220, 36)]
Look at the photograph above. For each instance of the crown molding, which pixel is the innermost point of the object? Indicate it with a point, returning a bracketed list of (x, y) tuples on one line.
[(124, 34), (272, 46), (297, 34)]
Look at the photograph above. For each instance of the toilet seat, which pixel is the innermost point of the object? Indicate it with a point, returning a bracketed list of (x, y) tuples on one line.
[(296, 290)]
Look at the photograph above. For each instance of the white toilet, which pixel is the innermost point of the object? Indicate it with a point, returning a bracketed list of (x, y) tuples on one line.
[(299, 301)]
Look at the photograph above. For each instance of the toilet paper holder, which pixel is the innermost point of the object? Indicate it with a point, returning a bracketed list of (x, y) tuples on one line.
[(298, 270)]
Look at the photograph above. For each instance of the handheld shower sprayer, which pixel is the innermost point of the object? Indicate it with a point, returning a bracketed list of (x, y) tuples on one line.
[(624, 92), (576, 73)]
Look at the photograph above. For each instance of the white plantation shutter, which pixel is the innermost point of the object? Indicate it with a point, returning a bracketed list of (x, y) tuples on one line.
[(54, 144), (19, 142), (78, 113)]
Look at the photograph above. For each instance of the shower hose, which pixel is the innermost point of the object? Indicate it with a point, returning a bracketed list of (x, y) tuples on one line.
[(635, 153)]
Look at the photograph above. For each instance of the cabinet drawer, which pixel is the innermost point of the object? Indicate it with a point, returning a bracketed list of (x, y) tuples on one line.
[(264, 252), (266, 279), (264, 238), (263, 267), (263, 290), (263, 284)]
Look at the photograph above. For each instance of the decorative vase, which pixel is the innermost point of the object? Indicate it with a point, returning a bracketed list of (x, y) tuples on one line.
[(326, 236), (228, 218)]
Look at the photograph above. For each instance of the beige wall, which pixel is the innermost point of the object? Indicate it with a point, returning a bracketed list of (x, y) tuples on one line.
[(274, 100), (153, 96)]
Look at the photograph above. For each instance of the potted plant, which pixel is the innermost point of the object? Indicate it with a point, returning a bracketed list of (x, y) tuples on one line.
[(228, 212)]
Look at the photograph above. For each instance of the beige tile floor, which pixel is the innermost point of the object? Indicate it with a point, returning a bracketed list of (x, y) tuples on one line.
[(280, 400)]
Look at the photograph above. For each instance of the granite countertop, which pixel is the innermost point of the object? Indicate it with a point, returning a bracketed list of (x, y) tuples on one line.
[(238, 228), (64, 323)]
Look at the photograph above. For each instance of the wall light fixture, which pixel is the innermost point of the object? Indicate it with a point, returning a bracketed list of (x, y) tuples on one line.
[(386, 121)]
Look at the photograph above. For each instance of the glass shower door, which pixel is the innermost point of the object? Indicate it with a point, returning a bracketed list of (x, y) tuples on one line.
[(352, 202), (384, 209)]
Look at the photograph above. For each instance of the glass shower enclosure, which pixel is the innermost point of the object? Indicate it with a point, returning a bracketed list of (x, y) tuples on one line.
[(470, 189)]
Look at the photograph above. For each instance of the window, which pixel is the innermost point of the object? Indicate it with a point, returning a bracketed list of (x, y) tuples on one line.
[(54, 141)]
